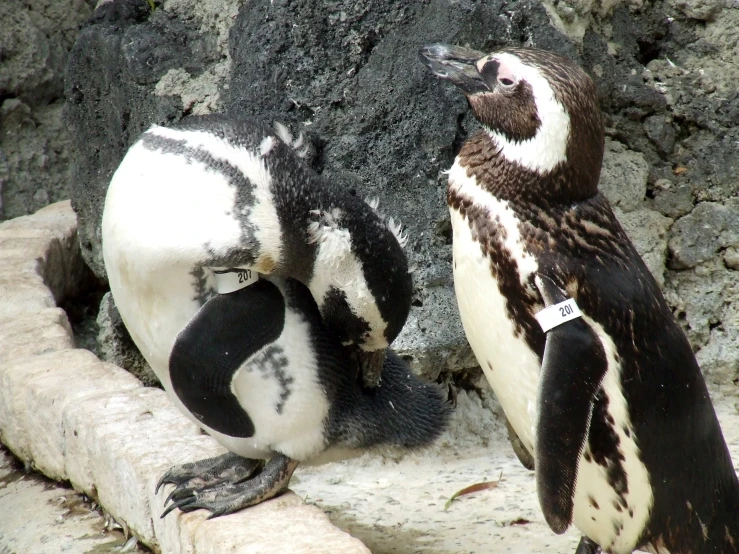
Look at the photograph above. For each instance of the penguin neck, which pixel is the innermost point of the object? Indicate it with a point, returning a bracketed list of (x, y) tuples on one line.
[(567, 183)]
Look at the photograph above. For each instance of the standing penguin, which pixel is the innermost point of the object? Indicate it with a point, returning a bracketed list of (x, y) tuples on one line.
[(572, 332), (257, 291)]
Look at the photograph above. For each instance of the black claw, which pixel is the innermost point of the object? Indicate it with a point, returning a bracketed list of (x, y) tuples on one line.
[(162, 481), (181, 504)]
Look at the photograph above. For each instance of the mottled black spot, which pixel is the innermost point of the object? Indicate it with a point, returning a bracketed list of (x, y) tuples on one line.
[(203, 292), (271, 363)]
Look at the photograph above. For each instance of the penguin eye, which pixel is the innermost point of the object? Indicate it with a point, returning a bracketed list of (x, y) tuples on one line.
[(505, 82)]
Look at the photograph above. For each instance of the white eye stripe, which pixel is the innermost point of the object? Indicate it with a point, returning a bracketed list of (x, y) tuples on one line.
[(547, 149)]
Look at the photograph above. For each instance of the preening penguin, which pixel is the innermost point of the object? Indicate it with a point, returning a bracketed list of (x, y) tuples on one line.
[(215, 192), (260, 372), (198, 211), (571, 329)]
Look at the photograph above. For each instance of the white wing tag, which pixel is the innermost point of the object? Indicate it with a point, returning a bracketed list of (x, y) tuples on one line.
[(557, 314), (231, 280)]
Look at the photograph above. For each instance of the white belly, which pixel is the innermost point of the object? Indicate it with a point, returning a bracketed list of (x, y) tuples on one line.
[(510, 366), (513, 369)]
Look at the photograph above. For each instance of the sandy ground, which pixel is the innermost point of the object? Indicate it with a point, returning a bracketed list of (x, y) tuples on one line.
[(397, 506)]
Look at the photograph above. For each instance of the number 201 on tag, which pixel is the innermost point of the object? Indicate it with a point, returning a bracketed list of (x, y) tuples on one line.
[(565, 310)]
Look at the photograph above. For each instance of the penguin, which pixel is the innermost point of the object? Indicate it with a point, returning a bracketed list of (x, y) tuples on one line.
[(216, 192), (252, 287), (258, 369), (570, 328)]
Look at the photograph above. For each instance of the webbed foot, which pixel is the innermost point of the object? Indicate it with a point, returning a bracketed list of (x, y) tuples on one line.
[(587, 546), (226, 484)]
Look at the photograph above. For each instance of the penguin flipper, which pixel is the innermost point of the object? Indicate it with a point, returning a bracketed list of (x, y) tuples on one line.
[(572, 369), (227, 330)]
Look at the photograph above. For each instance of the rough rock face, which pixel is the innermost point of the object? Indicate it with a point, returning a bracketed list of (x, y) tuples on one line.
[(347, 73), (35, 157)]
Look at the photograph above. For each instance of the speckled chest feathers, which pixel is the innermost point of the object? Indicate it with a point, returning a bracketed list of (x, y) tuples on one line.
[(612, 404)]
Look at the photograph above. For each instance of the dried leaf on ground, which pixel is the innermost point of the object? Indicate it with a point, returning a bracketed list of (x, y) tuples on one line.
[(473, 488)]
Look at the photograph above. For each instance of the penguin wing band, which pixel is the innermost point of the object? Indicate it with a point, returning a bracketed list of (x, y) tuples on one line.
[(558, 314), (572, 369), (231, 280)]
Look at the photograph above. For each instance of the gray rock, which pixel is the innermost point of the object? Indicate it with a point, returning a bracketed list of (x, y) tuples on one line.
[(698, 298), (703, 10), (648, 229), (661, 132), (35, 38), (116, 346), (623, 178), (697, 237), (673, 199), (719, 357), (731, 258), (433, 341)]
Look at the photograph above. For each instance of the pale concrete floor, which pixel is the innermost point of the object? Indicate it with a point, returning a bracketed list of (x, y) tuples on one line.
[(394, 505), (41, 517), (397, 507)]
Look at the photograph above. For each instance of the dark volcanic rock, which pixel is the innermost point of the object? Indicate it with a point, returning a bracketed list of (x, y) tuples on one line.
[(113, 67), (346, 73), (116, 346), (35, 39)]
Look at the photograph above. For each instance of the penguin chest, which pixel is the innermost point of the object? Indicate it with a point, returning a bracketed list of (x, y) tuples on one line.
[(278, 387), (510, 365)]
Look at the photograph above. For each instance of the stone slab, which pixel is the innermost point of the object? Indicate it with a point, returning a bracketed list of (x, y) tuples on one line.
[(75, 418), (35, 334)]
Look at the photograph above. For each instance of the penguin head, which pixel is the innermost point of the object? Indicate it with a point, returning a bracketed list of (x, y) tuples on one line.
[(538, 108), (360, 281)]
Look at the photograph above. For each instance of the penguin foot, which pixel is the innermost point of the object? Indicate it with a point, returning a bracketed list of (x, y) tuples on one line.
[(207, 473), (225, 484), (587, 546)]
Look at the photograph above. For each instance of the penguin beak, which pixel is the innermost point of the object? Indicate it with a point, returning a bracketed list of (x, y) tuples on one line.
[(370, 365), (456, 64)]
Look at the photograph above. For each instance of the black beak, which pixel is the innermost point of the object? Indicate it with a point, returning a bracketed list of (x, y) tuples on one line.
[(455, 64), (369, 365)]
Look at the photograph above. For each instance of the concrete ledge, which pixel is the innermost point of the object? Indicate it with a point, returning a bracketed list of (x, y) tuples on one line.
[(78, 419)]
